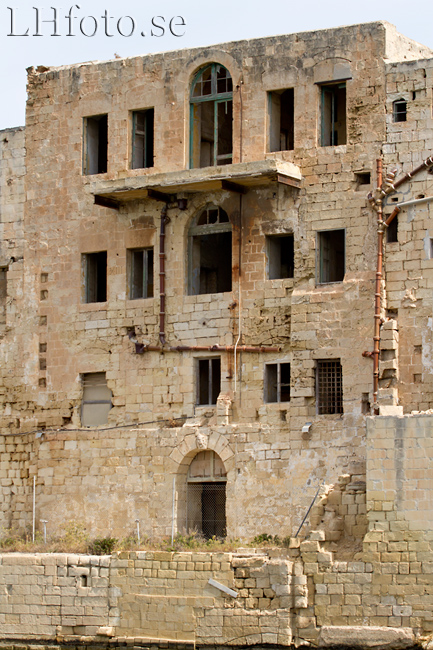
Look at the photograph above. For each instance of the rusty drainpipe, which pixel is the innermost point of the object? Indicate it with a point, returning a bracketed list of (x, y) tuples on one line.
[(377, 294), (164, 220)]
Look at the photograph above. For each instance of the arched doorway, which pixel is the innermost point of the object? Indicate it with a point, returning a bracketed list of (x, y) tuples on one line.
[(206, 495)]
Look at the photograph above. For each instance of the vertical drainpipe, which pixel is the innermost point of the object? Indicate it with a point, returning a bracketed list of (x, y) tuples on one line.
[(377, 295), (162, 276)]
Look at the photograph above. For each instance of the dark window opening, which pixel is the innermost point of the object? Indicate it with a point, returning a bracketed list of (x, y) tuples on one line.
[(431, 249), (362, 178), (208, 380), (399, 111), (95, 277), (97, 399), (277, 382), (140, 263), (392, 231), (3, 295), (206, 495), (211, 253), (281, 120), (365, 404), (333, 115), (211, 123), (329, 387), (331, 253), (96, 144), (281, 260), (142, 138)]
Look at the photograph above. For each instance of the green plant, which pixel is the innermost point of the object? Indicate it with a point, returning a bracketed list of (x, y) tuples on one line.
[(102, 546)]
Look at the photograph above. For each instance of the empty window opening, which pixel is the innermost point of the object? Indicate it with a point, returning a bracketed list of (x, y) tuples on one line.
[(208, 380), (431, 248), (365, 404), (277, 382), (329, 388), (333, 115), (362, 178), (331, 254), (281, 120), (206, 495), (95, 144), (392, 231), (82, 581), (95, 277), (210, 260), (211, 120), (399, 111), (140, 263), (281, 260), (142, 138), (97, 399), (3, 295)]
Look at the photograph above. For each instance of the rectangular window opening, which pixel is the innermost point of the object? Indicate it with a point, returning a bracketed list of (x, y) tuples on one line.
[(331, 256), (97, 399), (362, 178), (281, 259), (329, 388), (142, 138), (95, 150), (277, 382), (399, 111), (211, 263), (140, 264), (431, 248), (333, 115), (208, 380), (392, 231), (281, 120), (3, 295), (95, 277)]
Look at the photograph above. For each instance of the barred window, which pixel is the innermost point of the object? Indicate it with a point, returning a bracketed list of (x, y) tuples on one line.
[(329, 389)]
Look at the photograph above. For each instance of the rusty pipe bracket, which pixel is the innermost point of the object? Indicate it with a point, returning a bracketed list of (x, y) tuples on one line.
[(368, 354)]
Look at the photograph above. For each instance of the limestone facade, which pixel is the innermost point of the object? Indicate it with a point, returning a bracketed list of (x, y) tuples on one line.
[(173, 385)]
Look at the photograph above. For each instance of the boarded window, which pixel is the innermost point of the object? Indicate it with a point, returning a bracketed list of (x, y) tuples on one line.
[(331, 256), (210, 259), (281, 120), (142, 138), (206, 495), (3, 295), (277, 382), (96, 402), (208, 380), (281, 260), (95, 147), (333, 115), (329, 389), (95, 276), (140, 263), (211, 117), (399, 111)]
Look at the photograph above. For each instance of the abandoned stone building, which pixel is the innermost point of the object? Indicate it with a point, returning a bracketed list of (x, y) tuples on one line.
[(194, 330)]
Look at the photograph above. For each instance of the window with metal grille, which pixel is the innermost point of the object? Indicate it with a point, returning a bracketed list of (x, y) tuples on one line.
[(96, 402), (333, 115), (142, 138), (399, 111), (329, 389), (95, 149), (140, 263), (206, 495), (95, 276), (208, 380), (277, 382)]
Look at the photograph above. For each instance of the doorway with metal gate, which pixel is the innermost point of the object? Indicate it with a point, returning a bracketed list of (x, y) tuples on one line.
[(206, 495)]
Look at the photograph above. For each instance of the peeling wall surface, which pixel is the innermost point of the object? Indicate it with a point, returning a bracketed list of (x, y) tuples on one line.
[(154, 353)]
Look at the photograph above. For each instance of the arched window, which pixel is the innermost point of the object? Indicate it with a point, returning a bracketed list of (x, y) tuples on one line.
[(210, 252), (206, 495), (211, 130)]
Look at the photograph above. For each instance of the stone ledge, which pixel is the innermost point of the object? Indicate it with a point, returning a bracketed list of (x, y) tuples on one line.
[(366, 637)]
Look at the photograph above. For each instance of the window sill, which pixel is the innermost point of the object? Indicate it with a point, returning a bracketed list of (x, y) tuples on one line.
[(93, 306)]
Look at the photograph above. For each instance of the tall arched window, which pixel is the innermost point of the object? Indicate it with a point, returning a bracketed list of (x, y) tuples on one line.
[(211, 129), (206, 495), (210, 252)]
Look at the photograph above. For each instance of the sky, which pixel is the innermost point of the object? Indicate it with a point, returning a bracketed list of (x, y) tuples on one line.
[(53, 34)]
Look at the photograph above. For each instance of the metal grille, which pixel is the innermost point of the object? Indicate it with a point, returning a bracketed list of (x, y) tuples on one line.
[(329, 387), (206, 509)]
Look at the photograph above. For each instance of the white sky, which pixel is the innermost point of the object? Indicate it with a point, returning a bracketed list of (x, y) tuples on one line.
[(206, 23)]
